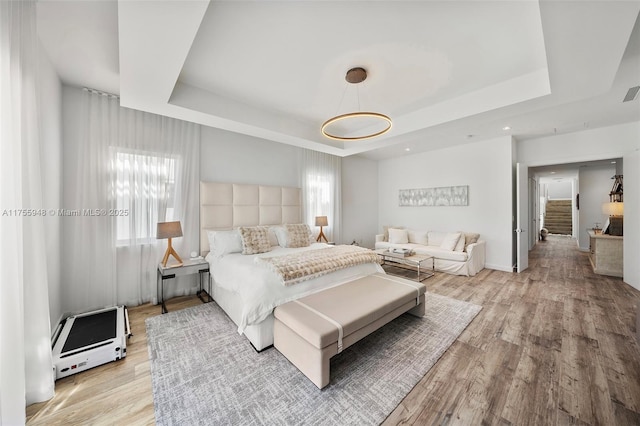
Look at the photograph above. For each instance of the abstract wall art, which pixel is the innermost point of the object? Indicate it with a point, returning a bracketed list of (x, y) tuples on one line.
[(441, 196)]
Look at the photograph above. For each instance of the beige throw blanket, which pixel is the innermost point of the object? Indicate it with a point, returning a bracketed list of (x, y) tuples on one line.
[(296, 267)]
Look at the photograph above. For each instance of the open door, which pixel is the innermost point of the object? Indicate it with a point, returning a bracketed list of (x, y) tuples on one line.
[(522, 217), (534, 216)]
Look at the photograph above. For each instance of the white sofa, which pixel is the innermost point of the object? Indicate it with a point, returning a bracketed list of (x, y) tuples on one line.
[(458, 253)]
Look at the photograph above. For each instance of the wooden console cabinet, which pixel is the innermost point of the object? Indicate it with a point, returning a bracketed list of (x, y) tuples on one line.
[(606, 254)]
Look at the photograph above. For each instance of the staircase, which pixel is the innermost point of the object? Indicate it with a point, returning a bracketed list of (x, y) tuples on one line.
[(557, 217)]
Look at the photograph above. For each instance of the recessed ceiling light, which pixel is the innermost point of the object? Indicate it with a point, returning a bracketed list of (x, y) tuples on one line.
[(613, 162), (407, 149), (506, 128), (553, 173)]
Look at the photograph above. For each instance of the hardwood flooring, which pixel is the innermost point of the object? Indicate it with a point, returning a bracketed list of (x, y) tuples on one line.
[(554, 345)]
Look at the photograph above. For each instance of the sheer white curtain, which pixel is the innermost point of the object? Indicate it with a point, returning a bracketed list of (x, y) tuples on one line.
[(25, 344), (134, 169), (321, 191)]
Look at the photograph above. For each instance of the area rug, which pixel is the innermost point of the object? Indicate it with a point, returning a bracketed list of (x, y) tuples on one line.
[(204, 373)]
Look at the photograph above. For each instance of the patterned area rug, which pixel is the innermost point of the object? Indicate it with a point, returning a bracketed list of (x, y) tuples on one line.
[(203, 372)]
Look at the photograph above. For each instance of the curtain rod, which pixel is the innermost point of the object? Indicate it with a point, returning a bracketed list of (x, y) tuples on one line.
[(101, 93)]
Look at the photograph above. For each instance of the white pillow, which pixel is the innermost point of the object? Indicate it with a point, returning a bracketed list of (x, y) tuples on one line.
[(398, 236), (281, 235), (210, 237), (273, 239), (226, 242), (450, 241)]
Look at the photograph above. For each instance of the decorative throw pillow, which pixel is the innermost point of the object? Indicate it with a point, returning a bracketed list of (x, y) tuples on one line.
[(385, 231), (226, 242), (470, 238), (255, 239), (298, 235), (398, 236), (450, 241)]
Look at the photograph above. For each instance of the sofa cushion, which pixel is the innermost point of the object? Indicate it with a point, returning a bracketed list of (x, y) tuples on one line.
[(439, 253), (418, 237), (387, 245), (398, 236), (435, 238), (450, 240)]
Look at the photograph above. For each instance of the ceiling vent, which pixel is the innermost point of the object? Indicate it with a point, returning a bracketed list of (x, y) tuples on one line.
[(631, 94)]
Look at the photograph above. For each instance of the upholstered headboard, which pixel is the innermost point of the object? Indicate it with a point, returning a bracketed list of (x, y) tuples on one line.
[(226, 206)]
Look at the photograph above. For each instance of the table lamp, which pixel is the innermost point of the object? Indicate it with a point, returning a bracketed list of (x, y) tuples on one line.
[(169, 230), (322, 221)]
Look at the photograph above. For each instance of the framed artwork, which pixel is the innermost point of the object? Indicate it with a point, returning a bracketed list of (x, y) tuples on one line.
[(441, 196)]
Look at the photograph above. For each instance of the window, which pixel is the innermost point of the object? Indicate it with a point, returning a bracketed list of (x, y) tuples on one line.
[(144, 194), (321, 182), (319, 194)]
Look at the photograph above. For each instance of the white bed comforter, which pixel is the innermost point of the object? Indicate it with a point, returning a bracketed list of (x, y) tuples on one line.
[(261, 289)]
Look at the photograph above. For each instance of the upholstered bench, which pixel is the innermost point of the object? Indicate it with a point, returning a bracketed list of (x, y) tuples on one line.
[(309, 331)]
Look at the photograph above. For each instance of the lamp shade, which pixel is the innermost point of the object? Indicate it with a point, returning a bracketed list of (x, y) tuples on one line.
[(613, 209), (321, 221), (169, 230)]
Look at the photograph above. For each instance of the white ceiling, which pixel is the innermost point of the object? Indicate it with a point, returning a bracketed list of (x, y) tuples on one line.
[(446, 72)]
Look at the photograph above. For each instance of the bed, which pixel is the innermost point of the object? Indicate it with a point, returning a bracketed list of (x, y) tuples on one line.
[(245, 289)]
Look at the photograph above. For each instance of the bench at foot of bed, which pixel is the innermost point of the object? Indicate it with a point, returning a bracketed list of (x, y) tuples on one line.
[(309, 331)]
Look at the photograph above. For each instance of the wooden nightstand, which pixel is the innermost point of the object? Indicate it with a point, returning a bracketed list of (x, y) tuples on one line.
[(190, 266)]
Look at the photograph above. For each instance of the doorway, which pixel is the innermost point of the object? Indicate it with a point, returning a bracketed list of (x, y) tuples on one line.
[(581, 188)]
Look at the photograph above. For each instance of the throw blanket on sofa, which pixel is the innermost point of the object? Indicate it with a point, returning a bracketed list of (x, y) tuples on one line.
[(297, 267)]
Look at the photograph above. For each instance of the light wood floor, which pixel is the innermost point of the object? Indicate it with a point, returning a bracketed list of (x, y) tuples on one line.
[(553, 345)]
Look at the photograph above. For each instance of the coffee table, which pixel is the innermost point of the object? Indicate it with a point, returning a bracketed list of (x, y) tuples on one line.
[(422, 265)]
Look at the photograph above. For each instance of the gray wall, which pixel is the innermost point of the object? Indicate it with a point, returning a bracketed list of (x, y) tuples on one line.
[(232, 157), (595, 184), (359, 201)]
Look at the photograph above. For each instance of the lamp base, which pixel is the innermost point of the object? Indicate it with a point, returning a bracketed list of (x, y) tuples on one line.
[(321, 237), (171, 252)]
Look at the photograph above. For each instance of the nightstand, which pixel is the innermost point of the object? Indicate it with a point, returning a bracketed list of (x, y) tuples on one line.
[(190, 266)]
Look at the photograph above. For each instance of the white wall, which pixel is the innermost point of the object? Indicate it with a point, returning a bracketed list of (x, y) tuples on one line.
[(560, 190), (236, 158), (50, 110), (595, 184), (359, 201), (598, 144), (486, 167), (595, 144), (632, 220)]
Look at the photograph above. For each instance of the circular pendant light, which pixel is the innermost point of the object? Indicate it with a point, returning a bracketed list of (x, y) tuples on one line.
[(380, 122)]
